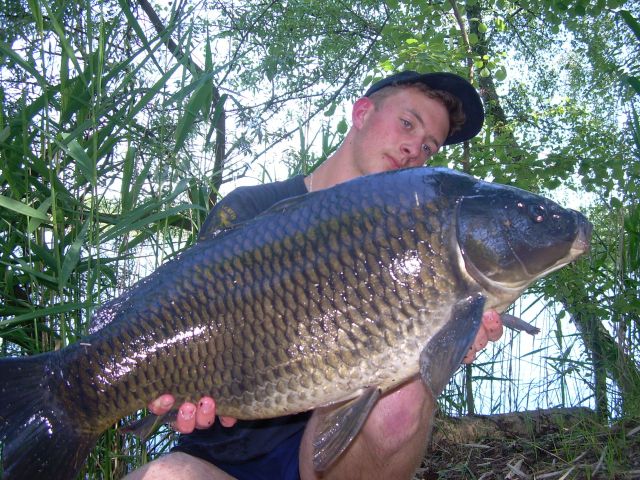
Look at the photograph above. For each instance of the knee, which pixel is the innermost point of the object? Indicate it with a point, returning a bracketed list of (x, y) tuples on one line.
[(177, 466), (162, 467), (401, 418)]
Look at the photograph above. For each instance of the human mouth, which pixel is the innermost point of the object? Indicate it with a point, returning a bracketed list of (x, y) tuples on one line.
[(395, 164)]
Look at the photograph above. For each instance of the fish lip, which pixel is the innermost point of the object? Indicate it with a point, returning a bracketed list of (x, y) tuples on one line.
[(582, 243), (579, 246)]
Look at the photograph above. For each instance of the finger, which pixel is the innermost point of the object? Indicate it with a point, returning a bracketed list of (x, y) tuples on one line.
[(227, 421), (481, 340), (492, 324), (162, 404), (186, 419), (469, 357), (205, 413)]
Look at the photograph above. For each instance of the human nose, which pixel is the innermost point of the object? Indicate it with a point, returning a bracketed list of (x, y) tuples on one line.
[(412, 153)]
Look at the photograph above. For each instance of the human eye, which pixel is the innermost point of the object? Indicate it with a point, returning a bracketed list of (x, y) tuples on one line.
[(427, 149), (406, 123)]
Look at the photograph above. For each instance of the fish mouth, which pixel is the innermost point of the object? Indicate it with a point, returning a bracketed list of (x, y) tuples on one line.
[(582, 242)]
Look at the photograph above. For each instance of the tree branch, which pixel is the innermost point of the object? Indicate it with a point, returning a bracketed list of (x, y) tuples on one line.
[(466, 151)]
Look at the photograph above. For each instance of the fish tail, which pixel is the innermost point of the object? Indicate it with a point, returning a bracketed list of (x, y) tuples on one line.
[(38, 439)]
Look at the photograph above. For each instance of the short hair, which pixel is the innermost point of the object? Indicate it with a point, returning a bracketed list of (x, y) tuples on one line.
[(450, 101)]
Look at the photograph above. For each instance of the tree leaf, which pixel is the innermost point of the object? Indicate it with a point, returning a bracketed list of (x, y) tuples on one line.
[(331, 110), (634, 82), (342, 126), (634, 25)]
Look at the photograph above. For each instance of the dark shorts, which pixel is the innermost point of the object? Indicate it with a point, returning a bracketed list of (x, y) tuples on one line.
[(281, 463)]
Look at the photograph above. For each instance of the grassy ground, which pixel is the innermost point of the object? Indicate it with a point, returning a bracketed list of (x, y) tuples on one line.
[(597, 453)]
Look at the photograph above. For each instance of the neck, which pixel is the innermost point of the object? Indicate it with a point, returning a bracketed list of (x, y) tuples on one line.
[(336, 169)]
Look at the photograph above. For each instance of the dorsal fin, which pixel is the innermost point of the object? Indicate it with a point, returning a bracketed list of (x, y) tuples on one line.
[(276, 209)]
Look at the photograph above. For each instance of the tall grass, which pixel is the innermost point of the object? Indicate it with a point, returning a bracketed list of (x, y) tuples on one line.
[(91, 199)]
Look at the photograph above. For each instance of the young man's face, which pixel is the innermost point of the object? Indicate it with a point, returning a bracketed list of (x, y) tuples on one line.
[(404, 131)]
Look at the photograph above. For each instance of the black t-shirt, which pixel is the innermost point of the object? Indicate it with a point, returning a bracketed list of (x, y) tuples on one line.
[(250, 438)]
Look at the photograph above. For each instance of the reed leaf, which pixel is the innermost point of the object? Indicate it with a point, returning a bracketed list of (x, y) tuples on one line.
[(86, 165), (199, 101), (43, 313), (140, 33), (7, 51), (127, 196), (72, 256), (62, 38), (631, 21), (35, 222), (142, 216), (124, 227), (22, 209)]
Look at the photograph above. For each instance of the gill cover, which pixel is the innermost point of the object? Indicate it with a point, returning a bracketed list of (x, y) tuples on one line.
[(508, 236)]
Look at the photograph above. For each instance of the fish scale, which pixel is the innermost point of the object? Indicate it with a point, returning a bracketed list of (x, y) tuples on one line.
[(336, 295)]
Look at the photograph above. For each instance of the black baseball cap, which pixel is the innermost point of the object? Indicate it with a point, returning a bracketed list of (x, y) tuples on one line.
[(449, 82)]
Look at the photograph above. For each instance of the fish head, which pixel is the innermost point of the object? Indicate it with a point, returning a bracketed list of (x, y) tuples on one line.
[(509, 237), (504, 238)]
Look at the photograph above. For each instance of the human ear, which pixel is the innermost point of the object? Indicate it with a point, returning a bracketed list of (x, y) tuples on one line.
[(361, 108)]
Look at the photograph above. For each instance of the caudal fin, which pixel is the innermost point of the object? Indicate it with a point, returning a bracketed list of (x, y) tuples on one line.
[(37, 438)]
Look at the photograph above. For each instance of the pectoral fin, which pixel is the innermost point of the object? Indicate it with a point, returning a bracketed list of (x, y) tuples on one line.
[(340, 427), (441, 357)]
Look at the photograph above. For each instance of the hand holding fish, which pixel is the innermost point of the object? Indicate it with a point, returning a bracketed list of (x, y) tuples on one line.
[(190, 416), (490, 331)]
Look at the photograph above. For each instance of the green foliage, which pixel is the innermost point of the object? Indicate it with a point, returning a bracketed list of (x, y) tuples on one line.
[(66, 114)]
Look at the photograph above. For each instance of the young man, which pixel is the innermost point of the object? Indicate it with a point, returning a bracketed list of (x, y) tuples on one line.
[(400, 122)]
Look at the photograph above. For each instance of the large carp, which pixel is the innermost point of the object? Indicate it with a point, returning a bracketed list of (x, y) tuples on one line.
[(332, 296)]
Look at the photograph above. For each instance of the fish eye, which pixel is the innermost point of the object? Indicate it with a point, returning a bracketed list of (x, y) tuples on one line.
[(537, 213)]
